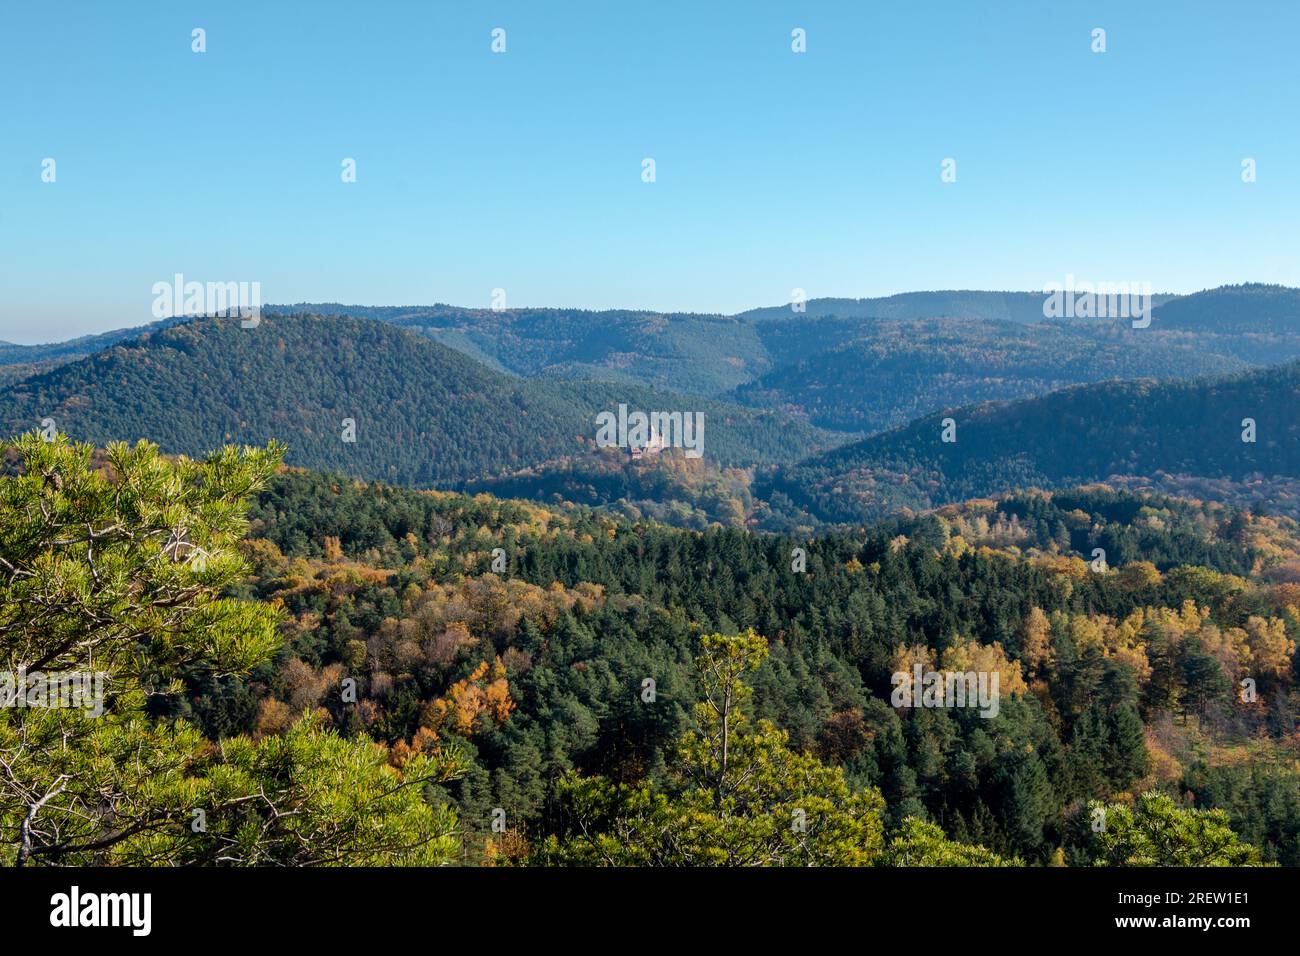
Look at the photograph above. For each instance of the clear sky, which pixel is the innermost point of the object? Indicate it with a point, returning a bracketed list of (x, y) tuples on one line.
[(522, 170)]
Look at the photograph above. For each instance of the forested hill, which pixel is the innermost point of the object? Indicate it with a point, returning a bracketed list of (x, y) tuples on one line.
[(896, 371), (1077, 435), (699, 354), (1024, 307), (11, 354), (999, 306), (423, 413), (1258, 324), (1252, 307)]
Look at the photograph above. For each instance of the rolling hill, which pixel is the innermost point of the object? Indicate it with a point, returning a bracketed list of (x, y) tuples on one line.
[(700, 354), (1023, 307), (1257, 324), (1077, 435), (423, 413), (53, 352), (851, 372), (1249, 308), (901, 370)]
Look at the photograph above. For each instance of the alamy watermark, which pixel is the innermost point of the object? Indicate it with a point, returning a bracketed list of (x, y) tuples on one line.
[(63, 690), (1103, 300), (75, 908), (922, 688), (649, 432), (181, 298)]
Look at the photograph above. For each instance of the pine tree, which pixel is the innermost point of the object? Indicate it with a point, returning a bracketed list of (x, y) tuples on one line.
[(735, 794), (117, 570), (1157, 832)]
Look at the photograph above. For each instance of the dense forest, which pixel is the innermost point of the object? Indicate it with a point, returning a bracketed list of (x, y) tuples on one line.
[(558, 682), (698, 354), (1231, 427), (667, 487), (423, 413), (895, 372), (1119, 680), (1249, 308), (1183, 439)]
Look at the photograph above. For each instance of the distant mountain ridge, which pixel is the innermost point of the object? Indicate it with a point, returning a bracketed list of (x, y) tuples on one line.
[(751, 356), (1249, 308), (1021, 307), (701, 354), (784, 384), (1075, 436), (75, 348), (423, 413), (900, 370)]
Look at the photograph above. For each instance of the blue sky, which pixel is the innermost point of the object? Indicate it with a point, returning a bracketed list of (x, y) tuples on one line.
[(522, 171)]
